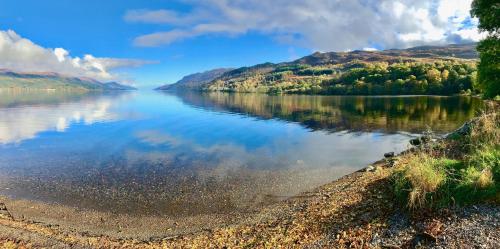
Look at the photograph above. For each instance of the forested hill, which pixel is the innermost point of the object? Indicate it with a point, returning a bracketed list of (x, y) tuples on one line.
[(463, 51), (195, 80), (53, 81), (421, 70)]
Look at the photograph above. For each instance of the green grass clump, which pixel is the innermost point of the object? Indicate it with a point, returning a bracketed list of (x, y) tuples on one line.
[(427, 178), (423, 180), (481, 179)]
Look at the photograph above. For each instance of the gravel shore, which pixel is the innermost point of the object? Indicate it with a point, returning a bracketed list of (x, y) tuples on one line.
[(356, 211)]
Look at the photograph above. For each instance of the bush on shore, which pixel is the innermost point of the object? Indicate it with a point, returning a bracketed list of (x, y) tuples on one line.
[(460, 170)]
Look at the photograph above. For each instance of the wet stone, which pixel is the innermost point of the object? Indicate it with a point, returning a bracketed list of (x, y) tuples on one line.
[(389, 154)]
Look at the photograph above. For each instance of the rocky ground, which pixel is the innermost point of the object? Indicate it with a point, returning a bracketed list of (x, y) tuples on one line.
[(356, 211)]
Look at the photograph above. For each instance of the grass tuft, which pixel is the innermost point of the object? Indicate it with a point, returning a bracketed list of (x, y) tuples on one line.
[(421, 178), (427, 178), (485, 179)]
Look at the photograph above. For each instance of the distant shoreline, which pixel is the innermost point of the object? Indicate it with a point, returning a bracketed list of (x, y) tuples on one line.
[(317, 94)]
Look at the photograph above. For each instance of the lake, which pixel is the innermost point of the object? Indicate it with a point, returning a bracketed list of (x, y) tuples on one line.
[(159, 153)]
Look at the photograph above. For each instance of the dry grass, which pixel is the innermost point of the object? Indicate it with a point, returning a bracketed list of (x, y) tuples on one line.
[(10, 244), (485, 130), (420, 176), (485, 179), (480, 179)]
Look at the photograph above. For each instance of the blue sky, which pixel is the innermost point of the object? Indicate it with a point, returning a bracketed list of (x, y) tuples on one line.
[(165, 40)]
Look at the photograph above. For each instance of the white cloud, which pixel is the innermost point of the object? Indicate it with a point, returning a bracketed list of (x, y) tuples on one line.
[(455, 10), (323, 25), (469, 34), (151, 16), (22, 55), (61, 54), (161, 16), (168, 37)]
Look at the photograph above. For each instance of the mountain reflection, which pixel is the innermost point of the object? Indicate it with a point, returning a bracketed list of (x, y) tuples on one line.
[(23, 115), (413, 114)]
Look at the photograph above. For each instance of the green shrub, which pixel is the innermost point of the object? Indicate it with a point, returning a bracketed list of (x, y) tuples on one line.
[(481, 179)]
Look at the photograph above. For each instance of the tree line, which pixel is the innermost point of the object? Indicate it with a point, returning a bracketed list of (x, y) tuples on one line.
[(441, 77)]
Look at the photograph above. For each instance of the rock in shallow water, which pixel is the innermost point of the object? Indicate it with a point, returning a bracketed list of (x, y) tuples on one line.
[(389, 154), (370, 168)]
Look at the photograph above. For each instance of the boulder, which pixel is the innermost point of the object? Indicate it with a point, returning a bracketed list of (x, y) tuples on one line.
[(416, 142), (370, 168), (389, 154)]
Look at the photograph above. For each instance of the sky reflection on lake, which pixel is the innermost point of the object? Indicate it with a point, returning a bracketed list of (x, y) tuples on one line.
[(191, 153)]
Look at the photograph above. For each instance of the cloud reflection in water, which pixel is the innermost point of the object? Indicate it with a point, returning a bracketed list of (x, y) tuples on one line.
[(23, 122)]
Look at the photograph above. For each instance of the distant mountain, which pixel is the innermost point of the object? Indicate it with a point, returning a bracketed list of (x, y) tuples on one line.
[(462, 51), (420, 70), (117, 86), (195, 80), (54, 81)]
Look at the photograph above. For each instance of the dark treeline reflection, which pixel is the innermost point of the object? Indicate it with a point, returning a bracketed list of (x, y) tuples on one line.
[(352, 113)]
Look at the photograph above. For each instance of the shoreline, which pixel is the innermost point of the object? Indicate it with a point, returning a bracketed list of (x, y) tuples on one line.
[(63, 219), (116, 225), (355, 210), (317, 94)]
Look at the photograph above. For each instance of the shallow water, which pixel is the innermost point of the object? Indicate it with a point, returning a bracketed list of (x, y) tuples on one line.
[(189, 153)]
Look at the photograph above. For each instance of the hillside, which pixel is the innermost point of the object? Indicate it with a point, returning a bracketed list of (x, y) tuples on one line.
[(54, 81), (464, 51), (195, 80), (441, 70), (117, 86)]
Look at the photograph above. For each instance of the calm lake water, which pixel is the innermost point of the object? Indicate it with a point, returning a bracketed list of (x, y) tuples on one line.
[(160, 153)]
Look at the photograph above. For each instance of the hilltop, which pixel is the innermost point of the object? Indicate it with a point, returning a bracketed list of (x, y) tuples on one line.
[(195, 80), (443, 70), (54, 81), (453, 51)]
